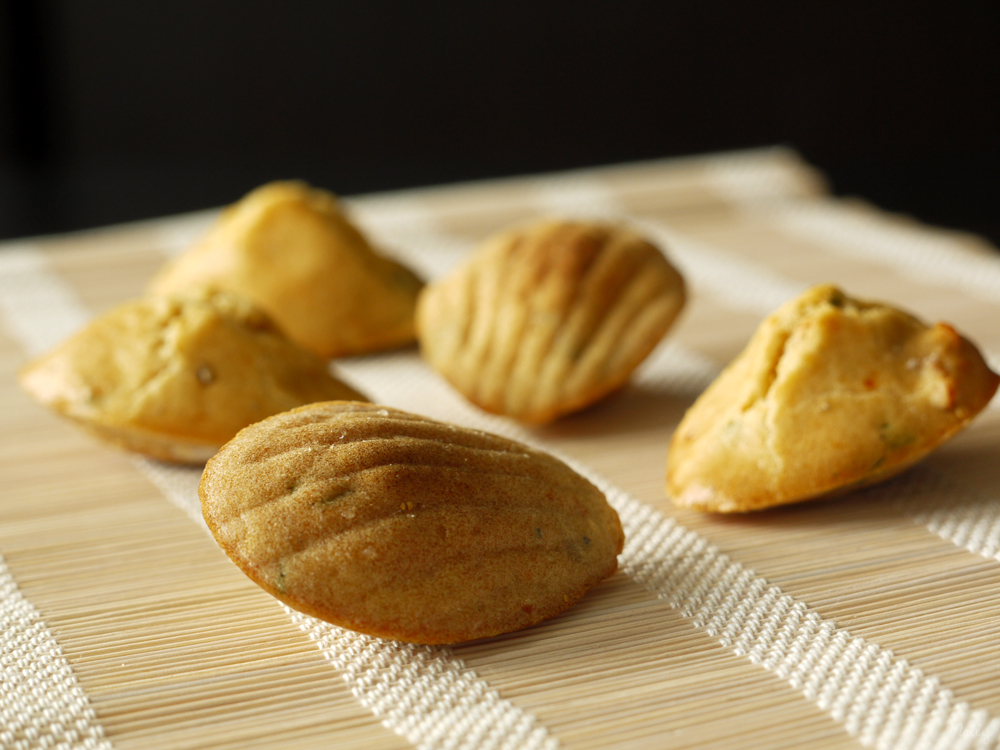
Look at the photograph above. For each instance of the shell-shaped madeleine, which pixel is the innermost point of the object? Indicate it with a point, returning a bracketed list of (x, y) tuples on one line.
[(830, 393), (175, 377), (292, 250), (395, 525), (545, 319)]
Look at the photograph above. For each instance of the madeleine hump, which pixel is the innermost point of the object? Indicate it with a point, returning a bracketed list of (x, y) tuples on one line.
[(402, 527), (176, 376), (830, 394), (294, 251)]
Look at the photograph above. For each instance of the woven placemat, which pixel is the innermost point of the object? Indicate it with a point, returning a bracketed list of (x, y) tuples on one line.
[(868, 621)]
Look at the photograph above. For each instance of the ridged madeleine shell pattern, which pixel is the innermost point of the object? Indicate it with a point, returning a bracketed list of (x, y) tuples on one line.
[(545, 319), (398, 526)]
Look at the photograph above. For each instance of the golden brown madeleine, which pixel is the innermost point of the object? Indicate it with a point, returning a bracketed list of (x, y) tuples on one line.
[(290, 249), (548, 318), (175, 377), (830, 393), (398, 526)]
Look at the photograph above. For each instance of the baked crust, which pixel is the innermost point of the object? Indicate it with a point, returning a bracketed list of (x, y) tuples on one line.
[(291, 249), (398, 526), (831, 393), (547, 318), (175, 377)]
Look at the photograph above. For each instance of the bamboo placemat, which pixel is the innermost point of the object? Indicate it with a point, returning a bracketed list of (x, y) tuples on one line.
[(871, 620)]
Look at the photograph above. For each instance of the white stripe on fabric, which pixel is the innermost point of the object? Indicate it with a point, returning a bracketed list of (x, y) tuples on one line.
[(425, 693), (390, 680), (41, 703)]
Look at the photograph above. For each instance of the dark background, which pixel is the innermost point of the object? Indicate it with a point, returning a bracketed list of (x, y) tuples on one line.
[(113, 110)]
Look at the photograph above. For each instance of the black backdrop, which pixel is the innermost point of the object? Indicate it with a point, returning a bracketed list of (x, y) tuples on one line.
[(113, 110)]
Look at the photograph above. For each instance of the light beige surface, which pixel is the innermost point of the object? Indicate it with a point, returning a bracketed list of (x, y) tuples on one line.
[(172, 644)]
